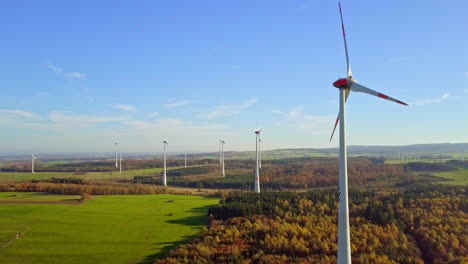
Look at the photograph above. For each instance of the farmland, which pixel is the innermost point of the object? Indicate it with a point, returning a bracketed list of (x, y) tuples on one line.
[(108, 229), (458, 177)]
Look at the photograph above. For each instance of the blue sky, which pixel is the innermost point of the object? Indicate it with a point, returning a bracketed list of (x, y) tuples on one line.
[(77, 75)]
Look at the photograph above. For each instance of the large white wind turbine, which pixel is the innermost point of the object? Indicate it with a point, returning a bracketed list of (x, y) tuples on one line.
[(222, 158), (164, 172), (32, 163), (257, 162), (116, 150), (345, 86)]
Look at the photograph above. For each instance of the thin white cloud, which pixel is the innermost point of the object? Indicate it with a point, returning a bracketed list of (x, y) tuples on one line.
[(55, 68), (20, 119), (70, 75), (61, 117), (175, 104), (296, 118), (75, 75), (399, 59), (278, 112), (427, 101), (304, 5), (466, 73), (125, 107), (228, 110), (16, 113), (296, 113), (153, 115)]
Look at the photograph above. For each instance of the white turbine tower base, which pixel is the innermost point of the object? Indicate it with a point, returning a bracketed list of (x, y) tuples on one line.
[(345, 86), (120, 162), (164, 171), (32, 163)]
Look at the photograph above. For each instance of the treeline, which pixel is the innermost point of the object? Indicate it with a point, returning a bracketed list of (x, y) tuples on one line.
[(78, 189), (423, 224)]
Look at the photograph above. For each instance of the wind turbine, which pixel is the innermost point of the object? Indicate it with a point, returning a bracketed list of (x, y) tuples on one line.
[(257, 163), (116, 150), (222, 157), (345, 86), (185, 159), (32, 163), (164, 173)]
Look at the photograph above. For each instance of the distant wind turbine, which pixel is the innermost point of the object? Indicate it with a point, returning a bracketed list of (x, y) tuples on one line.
[(185, 159), (116, 150), (32, 163), (345, 86), (164, 172), (257, 162), (222, 157)]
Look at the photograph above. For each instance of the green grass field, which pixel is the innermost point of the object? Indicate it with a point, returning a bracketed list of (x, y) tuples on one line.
[(27, 176), (459, 177), (108, 229)]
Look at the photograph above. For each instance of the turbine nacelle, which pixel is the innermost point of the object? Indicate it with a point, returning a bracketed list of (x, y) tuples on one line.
[(342, 83)]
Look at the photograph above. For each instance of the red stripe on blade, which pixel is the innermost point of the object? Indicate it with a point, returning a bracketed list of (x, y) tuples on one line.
[(403, 103), (383, 96)]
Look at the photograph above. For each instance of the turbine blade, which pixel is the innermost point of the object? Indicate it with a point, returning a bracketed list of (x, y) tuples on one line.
[(356, 87), (348, 70), (347, 92)]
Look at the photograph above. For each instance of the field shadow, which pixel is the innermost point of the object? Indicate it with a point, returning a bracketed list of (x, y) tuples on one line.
[(165, 250), (192, 220), (195, 221)]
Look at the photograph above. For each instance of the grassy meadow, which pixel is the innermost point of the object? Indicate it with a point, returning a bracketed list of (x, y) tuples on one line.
[(108, 229), (459, 177)]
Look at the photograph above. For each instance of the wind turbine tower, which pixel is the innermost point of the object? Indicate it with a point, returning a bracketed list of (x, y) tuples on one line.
[(32, 163), (185, 159), (222, 157), (116, 150), (220, 143), (257, 163), (259, 152), (345, 86), (120, 162), (164, 171)]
